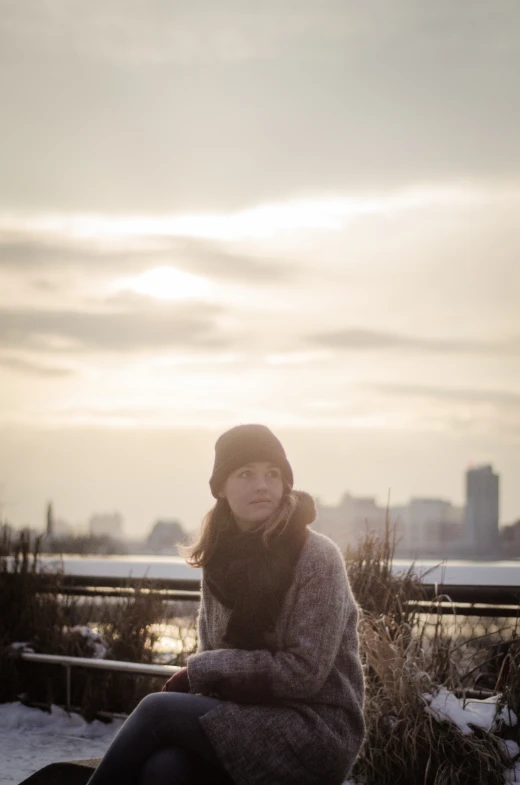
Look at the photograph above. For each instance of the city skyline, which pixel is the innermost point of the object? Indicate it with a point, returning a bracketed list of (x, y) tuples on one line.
[(371, 512), (208, 218), (422, 527)]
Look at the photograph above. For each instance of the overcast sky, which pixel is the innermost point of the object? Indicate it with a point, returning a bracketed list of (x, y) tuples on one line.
[(299, 213)]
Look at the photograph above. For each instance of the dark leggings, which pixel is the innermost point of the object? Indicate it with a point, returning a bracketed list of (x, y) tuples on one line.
[(162, 743)]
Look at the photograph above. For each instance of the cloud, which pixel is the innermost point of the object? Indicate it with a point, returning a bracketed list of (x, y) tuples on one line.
[(205, 231), (34, 369), (337, 94), (30, 251), (158, 32), (459, 410), (352, 339), (214, 260), (18, 251), (124, 330), (463, 395), (42, 285)]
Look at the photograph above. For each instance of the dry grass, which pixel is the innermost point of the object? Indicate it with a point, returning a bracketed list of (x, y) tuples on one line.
[(405, 656), (376, 587), (32, 607), (405, 744), (43, 619)]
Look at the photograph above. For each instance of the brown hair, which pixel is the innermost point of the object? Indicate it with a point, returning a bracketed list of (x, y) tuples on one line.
[(220, 518)]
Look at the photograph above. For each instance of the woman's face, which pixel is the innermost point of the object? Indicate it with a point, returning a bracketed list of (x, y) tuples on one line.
[(253, 492)]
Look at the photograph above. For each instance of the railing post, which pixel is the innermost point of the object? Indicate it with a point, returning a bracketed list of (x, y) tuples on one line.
[(67, 687)]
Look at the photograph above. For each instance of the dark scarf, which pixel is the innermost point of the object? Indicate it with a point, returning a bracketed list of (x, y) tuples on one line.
[(253, 579)]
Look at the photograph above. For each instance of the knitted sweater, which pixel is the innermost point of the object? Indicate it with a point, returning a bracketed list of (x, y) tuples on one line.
[(292, 714)]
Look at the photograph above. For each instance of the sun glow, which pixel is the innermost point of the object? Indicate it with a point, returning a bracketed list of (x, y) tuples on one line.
[(166, 283)]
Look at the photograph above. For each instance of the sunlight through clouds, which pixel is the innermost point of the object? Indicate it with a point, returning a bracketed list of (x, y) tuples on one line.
[(165, 283)]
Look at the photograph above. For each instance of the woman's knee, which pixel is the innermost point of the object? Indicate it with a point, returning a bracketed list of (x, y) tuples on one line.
[(150, 705), (157, 705)]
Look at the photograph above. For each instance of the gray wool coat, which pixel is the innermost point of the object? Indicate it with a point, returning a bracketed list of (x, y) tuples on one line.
[(294, 715)]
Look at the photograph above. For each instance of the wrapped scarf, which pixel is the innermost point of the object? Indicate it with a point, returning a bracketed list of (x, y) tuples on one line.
[(252, 579)]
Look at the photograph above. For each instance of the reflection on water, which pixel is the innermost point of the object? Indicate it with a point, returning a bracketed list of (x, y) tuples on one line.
[(173, 639)]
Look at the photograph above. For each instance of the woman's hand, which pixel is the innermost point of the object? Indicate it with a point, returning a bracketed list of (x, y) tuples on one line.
[(179, 682)]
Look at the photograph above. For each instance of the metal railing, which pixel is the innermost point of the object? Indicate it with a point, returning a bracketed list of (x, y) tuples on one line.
[(107, 665), (503, 601), (485, 612)]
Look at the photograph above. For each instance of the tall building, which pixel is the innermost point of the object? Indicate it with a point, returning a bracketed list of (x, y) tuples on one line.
[(482, 510)]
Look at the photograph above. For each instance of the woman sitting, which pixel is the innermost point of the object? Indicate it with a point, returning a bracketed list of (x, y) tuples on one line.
[(274, 693)]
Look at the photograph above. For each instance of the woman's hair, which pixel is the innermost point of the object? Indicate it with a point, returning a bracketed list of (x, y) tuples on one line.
[(220, 518)]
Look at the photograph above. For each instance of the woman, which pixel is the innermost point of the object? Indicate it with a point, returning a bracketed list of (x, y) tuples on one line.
[(274, 693)]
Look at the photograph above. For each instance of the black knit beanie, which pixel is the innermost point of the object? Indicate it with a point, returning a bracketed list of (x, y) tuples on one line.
[(245, 444)]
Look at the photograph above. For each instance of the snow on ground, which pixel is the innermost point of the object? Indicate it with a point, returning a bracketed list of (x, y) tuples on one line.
[(445, 707), (513, 774), (486, 714), (31, 738)]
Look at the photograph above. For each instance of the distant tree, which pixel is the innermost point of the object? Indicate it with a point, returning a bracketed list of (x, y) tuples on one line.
[(66, 543), (166, 535)]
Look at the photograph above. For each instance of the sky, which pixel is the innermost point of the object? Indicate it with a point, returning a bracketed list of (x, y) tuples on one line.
[(302, 214)]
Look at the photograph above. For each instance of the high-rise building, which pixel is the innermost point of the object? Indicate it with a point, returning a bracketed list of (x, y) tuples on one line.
[(482, 510)]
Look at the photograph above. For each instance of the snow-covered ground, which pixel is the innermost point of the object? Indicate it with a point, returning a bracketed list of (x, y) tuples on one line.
[(467, 714), (31, 738)]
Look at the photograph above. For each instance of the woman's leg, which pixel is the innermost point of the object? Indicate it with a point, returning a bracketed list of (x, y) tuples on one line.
[(162, 719), (175, 766)]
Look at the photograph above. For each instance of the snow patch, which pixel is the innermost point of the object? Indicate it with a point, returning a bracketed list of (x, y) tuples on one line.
[(513, 775), (17, 717), (97, 642), (22, 646), (485, 714), (31, 739), (510, 747)]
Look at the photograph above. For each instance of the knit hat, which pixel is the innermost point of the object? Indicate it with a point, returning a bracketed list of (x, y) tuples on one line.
[(245, 444)]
